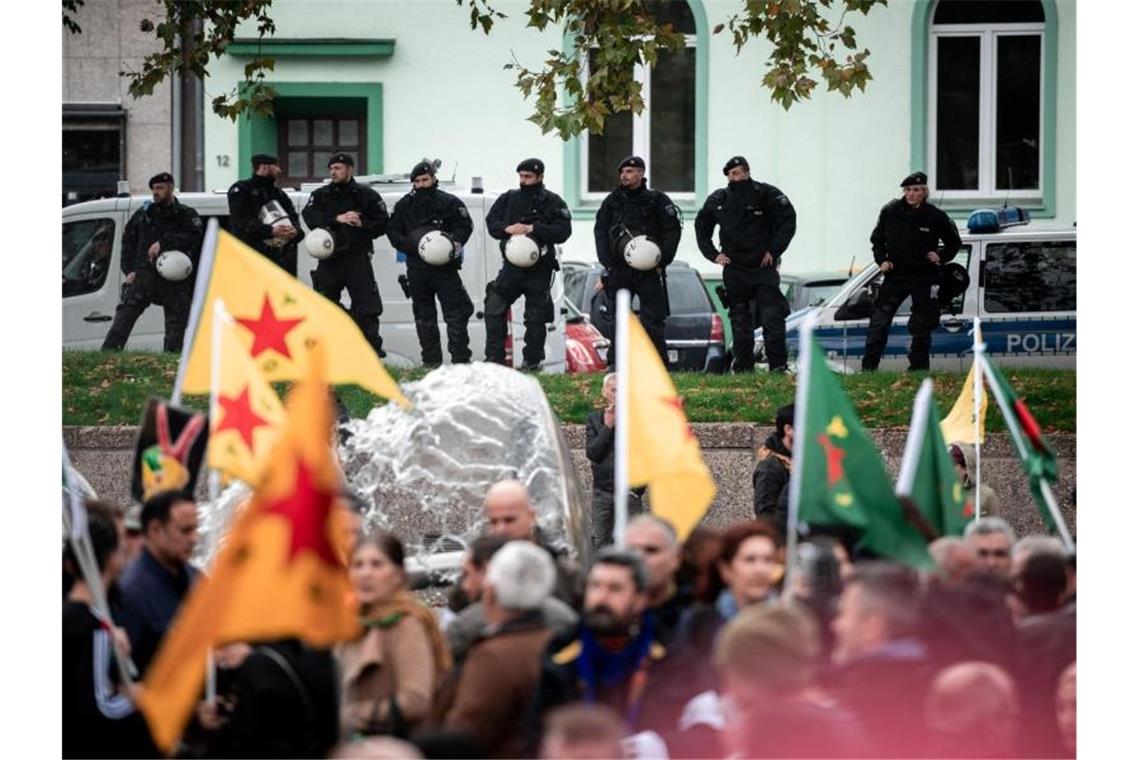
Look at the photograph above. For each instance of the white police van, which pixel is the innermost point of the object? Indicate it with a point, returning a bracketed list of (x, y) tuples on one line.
[(92, 279), (1023, 286)]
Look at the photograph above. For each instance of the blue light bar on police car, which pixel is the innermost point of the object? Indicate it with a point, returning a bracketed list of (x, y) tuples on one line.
[(995, 220)]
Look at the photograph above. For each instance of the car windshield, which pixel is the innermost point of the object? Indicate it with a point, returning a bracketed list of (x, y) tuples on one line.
[(819, 292)]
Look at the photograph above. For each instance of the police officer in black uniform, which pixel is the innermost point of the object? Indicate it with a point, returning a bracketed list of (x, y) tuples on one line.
[(355, 215), (757, 223), (424, 209), (162, 224), (633, 209), (905, 244), (247, 197), (541, 215)]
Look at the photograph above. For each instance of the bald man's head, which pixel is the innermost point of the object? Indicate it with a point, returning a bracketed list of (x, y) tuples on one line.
[(972, 709), (509, 511)]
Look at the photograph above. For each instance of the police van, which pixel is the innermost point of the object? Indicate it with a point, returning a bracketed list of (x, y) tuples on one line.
[(1023, 286), (92, 279)]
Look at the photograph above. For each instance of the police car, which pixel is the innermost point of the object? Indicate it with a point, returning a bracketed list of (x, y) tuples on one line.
[(1023, 286), (92, 278)]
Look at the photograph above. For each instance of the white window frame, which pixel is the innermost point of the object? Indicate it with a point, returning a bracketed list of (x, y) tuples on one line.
[(640, 132), (987, 112)]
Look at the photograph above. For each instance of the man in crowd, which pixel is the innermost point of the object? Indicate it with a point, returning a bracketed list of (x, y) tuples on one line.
[(881, 668), (600, 452), (773, 470), (510, 514), (972, 711), (757, 223), (629, 211), (953, 558), (256, 206), (992, 539), (905, 243), (355, 216), (655, 541), (498, 677), (428, 209), (154, 585), (540, 215), (582, 732), (161, 224)]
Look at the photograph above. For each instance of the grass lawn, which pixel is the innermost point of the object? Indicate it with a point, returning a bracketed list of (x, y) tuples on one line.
[(111, 389)]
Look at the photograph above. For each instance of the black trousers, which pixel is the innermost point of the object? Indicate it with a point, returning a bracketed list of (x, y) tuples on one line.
[(924, 316), (653, 308), (512, 283), (174, 298), (753, 292), (444, 283), (602, 532), (354, 272)]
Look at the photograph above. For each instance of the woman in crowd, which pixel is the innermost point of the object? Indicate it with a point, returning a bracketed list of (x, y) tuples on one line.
[(388, 676)]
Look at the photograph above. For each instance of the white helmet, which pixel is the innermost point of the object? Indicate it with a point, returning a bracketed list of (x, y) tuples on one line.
[(174, 265), (642, 253), (319, 243), (436, 248), (274, 215), (522, 251)]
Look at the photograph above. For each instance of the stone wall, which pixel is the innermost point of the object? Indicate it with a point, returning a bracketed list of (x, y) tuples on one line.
[(103, 455)]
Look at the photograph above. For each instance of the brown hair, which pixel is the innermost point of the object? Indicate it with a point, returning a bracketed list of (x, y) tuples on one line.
[(736, 534)]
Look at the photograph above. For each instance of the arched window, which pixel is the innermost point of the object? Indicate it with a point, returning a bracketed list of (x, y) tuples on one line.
[(665, 132), (985, 110)]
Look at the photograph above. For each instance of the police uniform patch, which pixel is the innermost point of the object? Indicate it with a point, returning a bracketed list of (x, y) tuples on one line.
[(463, 212), (565, 212), (783, 200), (235, 189)]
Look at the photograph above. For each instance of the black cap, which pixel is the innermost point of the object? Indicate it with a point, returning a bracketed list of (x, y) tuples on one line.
[(785, 415), (734, 162), (636, 162), (532, 165), (918, 178), (423, 167), (263, 158), (160, 177), (341, 158)]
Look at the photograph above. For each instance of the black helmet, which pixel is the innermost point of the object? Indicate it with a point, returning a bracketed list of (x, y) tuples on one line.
[(953, 282)]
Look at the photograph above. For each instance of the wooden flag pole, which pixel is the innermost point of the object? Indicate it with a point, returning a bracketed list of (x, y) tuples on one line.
[(803, 372), (621, 421)]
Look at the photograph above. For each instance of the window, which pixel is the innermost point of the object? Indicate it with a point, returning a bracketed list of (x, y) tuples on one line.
[(664, 134), (308, 141), (93, 160), (87, 249), (985, 116), (1030, 276)]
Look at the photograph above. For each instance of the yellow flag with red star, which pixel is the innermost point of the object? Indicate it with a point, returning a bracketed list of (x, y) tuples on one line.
[(245, 412), (278, 574), (280, 320), (663, 449)]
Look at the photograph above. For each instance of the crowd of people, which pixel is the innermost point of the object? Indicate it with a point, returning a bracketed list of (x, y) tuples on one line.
[(647, 648)]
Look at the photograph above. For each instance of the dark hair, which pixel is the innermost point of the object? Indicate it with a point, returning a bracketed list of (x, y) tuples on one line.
[(102, 527), (484, 547), (893, 590), (159, 506), (1042, 582), (611, 555), (957, 455), (698, 564), (390, 546), (785, 415)]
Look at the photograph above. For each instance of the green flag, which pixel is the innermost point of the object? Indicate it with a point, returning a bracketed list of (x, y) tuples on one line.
[(838, 476), (1037, 458), (927, 475)]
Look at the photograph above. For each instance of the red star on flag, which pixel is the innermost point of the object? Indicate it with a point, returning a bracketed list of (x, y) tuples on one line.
[(834, 459), (237, 414), (678, 403), (269, 332), (307, 509)]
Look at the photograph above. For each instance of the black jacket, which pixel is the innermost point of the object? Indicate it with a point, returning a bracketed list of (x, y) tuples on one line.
[(174, 227), (629, 213), (330, 201), (600, 451), (534, 205), (246, 197), (769, 478), (904, 235), (423, 210), (754, 219)]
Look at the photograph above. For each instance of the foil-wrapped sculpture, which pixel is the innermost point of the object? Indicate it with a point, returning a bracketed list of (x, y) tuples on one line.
[(423, 472)]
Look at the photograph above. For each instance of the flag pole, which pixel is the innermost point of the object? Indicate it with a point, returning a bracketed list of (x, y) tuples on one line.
[(1062, 528), (621, 422), (201, 285), (804, 369), (221, 318), (978, 348)]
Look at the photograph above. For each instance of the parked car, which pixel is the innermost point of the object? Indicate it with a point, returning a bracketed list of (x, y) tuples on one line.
[(694, 332), (1023, 287), (586, 347)]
